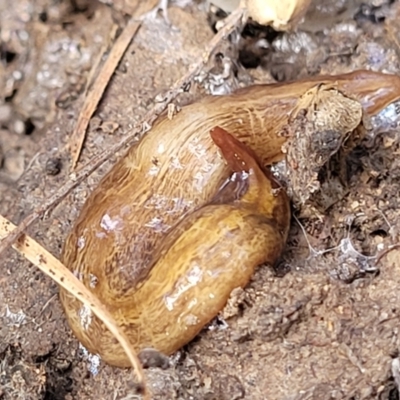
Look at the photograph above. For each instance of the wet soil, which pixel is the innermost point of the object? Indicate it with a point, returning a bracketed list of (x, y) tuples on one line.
[(323, 325)]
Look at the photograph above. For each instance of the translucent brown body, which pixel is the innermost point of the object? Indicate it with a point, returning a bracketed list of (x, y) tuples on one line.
[(125, 249)]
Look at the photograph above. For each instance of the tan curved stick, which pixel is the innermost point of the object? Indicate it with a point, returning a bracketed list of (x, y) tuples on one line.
[(52, 267)]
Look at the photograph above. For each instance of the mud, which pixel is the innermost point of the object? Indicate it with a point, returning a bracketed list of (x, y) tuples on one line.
[(323, 325)]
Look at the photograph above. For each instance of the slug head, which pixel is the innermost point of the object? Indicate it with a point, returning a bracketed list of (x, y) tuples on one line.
[(254, 186)]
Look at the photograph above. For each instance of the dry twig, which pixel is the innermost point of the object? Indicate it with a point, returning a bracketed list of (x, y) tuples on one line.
[(232, 22), (48, 264), (97, 90)]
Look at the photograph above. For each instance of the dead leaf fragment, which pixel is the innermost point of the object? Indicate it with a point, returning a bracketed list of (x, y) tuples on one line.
[(318, 126), (282, 15)]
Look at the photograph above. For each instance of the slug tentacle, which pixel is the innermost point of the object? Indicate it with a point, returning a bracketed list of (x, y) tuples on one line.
[(263, 188), (169, 232)]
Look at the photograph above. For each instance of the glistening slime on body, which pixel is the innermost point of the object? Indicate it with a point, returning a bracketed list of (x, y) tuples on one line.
[(166, 236)]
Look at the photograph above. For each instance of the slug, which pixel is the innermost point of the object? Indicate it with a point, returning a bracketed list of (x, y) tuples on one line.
[(165, 205)]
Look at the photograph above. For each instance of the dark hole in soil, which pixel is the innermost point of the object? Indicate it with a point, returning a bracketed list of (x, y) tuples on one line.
[(43, 16), (7, 55), (370, 13), (7, 99), (29, 127), (379, 232)]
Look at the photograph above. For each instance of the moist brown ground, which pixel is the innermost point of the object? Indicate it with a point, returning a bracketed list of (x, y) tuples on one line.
[(323, 326)]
